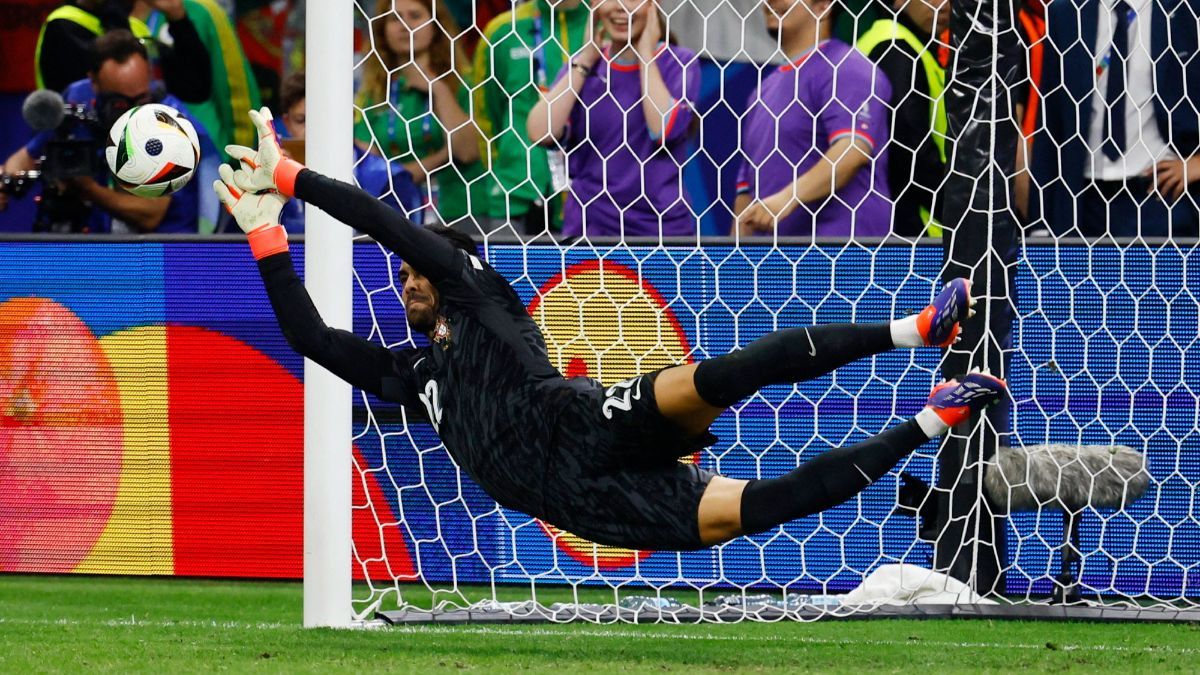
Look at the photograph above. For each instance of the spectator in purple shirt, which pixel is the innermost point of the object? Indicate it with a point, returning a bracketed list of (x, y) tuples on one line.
[(623, 114), (815, 134)]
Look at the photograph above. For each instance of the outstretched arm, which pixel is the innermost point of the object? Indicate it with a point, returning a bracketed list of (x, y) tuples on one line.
[(267, 170), (364, 364), (435, 257)]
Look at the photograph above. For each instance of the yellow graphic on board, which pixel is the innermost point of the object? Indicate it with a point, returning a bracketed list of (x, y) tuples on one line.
[(601, 321), (138, 536)]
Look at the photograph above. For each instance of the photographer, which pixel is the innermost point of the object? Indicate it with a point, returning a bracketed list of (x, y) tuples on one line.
[(119, 79), (67, 37)]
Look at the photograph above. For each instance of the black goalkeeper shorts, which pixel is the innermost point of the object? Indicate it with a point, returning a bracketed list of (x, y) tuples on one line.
[(615, 475)]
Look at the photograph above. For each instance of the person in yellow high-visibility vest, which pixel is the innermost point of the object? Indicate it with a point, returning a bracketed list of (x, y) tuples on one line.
[(64, 45), (905, 49)]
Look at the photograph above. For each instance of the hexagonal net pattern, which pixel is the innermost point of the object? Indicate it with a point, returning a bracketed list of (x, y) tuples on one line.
[(664, 182)]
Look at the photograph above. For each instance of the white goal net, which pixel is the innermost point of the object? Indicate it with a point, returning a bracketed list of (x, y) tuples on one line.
[(907, 146)]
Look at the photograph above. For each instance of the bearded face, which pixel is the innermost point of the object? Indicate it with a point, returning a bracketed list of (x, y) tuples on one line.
[(420, 299)]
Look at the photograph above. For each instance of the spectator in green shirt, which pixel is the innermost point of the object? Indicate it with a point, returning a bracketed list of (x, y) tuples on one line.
[(522, 51), (414, 99)]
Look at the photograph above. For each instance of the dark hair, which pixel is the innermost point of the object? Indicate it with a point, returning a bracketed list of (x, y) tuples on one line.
[(116, 45), (836, 9), (461, 240), (291, 91)]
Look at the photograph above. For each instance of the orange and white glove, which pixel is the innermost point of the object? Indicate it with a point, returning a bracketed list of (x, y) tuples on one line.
[(266, 168), (256, 214)]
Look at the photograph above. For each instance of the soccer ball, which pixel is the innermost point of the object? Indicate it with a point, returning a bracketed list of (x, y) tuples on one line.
[(152, 150)]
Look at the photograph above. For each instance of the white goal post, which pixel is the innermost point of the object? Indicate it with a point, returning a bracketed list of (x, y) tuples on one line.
[(328, 276)]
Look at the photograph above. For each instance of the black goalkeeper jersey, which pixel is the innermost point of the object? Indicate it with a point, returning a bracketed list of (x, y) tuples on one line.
[(488, 387)]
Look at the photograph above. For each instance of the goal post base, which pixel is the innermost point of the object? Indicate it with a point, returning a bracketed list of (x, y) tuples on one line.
[(530, 613)]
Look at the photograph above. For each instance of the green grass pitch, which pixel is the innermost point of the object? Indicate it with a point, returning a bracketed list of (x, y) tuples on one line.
[(101, 624)]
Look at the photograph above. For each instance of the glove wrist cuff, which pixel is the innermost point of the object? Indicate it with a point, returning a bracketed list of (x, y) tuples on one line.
[(285, 176), (267, 241)]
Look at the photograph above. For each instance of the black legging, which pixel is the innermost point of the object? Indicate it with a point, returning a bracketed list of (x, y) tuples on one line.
[(826, 480), (795, 355), (786, 356)]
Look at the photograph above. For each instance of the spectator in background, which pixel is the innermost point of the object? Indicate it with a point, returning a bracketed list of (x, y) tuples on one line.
[(905, 49), (414, 97), (730, 37), (291, 125), (293, 106), (1031, 19), (272, 35), (520, 53), (63, 51), (815, 135), (262, 31), (233, 91), (615, 110), (120, 78), (473, 16), (388, 181), (1117, 151), (233, 87)]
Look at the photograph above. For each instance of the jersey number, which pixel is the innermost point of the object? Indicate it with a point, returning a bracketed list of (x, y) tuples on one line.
[(432, 404), (621, 397)]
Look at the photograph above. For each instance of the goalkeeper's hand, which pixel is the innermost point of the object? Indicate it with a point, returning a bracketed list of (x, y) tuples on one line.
[(257, 214), (251, 210), (267, 168)]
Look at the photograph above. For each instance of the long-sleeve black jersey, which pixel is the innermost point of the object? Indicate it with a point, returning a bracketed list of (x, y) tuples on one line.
[(490, 390)]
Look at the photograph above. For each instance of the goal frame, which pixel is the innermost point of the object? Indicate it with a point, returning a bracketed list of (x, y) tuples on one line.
[(971, 544), (328, 275)]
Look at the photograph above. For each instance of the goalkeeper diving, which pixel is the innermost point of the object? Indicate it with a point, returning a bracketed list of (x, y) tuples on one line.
[(600, 462)]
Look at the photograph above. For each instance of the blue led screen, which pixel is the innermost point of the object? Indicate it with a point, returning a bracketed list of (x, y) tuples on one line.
[(1105, 351)]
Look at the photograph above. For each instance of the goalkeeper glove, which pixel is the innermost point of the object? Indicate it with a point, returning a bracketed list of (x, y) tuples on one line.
[(266, 169), (256, 214)]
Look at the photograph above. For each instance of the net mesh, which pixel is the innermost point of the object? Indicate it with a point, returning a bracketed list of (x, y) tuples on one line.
[(1101, 350)]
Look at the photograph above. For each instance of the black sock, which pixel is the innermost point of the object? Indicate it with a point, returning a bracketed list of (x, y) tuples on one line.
[(786, 356), (826, 480)]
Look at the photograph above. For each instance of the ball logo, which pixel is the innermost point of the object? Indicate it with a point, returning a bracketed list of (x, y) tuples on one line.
[(601, 321)]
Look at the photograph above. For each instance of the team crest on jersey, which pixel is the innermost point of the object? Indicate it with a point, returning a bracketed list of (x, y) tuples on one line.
[(441, 332)]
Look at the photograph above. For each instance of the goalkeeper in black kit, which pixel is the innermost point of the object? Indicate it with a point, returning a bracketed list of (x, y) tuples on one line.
[(600, 462)]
